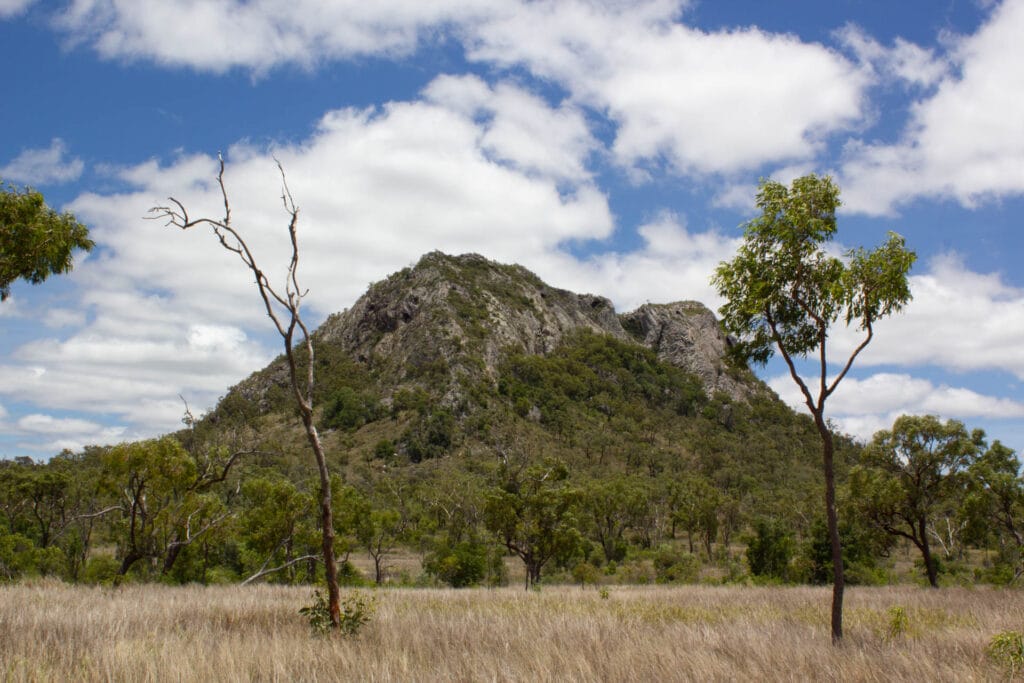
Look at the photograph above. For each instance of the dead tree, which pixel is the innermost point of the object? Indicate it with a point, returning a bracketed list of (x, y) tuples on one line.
[(283, 308)]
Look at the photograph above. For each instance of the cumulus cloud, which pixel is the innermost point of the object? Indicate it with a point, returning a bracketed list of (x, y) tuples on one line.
[(958, 319), (263, 34), (903, 61), (702, 102), (521, 128), (673, 264), (699, 102), (46, 166), (861, 407), (52, 434), (965, 141)]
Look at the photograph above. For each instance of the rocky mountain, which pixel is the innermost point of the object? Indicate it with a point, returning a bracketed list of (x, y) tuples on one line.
[(432, 357)]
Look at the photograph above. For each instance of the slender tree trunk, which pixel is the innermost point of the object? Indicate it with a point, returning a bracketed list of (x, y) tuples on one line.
[(832, 517), (326, 520)]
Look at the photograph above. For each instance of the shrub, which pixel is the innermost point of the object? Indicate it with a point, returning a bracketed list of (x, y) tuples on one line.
[(672, 565), (770, 550), (898, 623), (1007, 650), (463, 565), (101, 569), (349, 409), (356, 612)]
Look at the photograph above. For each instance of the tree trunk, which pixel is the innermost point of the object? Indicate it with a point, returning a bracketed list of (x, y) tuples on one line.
[(170, 557), (326, 520), (926, 555), (832, 517), (128, 561)]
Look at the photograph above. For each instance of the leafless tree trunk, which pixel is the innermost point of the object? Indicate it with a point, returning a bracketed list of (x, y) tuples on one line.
[(284, 310)]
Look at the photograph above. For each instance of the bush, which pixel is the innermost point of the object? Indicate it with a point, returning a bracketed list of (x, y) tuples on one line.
[(101, 569), (770, 550), (1007, 650), (431, 436), (349, 409), (356, 612), (671, 565), (463, 565)]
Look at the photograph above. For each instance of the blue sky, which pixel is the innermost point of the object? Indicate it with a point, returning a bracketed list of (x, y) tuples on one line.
[(612, 147)]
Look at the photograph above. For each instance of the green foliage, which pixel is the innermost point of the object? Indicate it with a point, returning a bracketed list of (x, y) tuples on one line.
[(862, 545), (784, 289), (993, 509), (599, 374), (672, 565), (770, 550), (465, 564), (431, 436), (19, 557), (531, 513), (611, 506), (899, 623), (35, 241), (100, 570), (1006, 649), (356, 611), (909, 475), (350, 409)]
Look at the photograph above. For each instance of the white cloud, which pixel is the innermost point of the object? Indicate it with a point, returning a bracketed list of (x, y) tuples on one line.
[(966, 141), (702, 102), (521, 128), (861, 407), (264, 33), (904, 61), (64, 317), (673, 264), (958, 319), (44, 166), (50, 434), (11, 8)]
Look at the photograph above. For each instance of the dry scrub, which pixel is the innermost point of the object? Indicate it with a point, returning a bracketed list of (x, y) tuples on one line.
[(49, 631)]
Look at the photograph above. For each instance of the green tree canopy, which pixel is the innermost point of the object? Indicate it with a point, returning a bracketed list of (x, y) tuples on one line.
[(35, 240), (908, 474)]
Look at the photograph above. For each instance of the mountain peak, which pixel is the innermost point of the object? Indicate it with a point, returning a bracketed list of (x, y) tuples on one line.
[(459, 316)]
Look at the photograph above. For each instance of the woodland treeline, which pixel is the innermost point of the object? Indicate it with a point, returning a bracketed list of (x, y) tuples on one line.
[(594, 464)]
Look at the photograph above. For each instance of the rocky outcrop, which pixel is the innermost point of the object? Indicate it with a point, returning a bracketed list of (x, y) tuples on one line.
[(687, 335), (464, 312)]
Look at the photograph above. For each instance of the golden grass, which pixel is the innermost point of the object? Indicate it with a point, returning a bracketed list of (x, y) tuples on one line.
[(50, 631)]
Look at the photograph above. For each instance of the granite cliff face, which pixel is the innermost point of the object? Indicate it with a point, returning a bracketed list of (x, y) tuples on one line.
[(458, 316), (687, 335)]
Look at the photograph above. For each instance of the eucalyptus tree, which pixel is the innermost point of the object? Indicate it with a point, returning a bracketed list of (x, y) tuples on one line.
[(994, 505), (35, 240), (784, 293), (531, 512), (908, 474)]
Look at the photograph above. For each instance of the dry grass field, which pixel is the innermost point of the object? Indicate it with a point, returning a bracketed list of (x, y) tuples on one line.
[(53, 632)]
